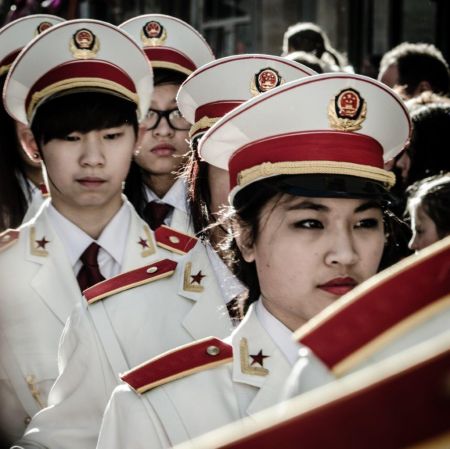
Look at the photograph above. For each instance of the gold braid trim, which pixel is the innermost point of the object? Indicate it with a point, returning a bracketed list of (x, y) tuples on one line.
[(4, 68), (204, 122), (74, 83), (172, 66), (314, 167)]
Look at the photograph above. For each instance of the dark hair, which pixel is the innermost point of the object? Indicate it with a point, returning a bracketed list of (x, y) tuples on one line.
[(13, 200), (134, 183), (248, 205), (418, 62), (83, 112), (430, 140), (308, 59), (310, 38), (198, 193), (434, 196)]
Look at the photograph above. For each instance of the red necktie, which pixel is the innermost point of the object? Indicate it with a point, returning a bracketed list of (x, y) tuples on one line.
[(89, 273), (235, 311), (155, 213)]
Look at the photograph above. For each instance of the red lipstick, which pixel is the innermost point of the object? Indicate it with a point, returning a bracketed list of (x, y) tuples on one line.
[(339, 286)]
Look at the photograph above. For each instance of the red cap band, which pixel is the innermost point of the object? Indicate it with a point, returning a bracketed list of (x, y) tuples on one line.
[(9, 59), (82, 69), (307, 146), (216, 109), (168, 55)]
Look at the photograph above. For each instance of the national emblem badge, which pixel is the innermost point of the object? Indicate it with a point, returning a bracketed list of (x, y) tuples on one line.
[(84, 44), (347, 110), (43, 26), (265, 80), (153, 33)]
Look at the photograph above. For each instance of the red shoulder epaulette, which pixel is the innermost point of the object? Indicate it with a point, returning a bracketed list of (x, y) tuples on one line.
[(374, 313), (149, 273), (179, 362), (174, 240), (8, 238)]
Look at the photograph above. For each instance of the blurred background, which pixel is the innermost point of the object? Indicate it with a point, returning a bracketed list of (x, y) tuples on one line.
[(361, 29)]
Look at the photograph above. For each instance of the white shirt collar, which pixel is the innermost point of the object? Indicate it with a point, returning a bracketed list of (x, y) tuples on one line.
[(281, 335), (175, 197), (229, 284), (112, 239)]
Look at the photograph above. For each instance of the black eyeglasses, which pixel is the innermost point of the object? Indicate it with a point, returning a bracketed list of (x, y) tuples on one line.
[(173, 117)]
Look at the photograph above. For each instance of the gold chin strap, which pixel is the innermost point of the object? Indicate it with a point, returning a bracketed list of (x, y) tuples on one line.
[(267, 169), (79, 83), (203, 123)]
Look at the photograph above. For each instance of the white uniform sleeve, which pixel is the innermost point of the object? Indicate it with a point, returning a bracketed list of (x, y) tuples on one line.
[(80, 393), (130, 422)]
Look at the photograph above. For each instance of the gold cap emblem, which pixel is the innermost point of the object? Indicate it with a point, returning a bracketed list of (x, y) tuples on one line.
[(153, 33), (84, 44), (347, 111), (266, 79), (43, 26)]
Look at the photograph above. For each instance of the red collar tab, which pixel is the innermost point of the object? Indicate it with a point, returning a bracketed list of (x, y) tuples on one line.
[(174, 240)]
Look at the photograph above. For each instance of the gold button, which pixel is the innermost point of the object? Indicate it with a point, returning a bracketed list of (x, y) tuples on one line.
[(174, 239), (152, 270), (6, 238), (212, 350), (27, 420)]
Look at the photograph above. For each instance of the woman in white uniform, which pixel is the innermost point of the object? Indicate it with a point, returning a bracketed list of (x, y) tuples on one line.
[(310, 197)]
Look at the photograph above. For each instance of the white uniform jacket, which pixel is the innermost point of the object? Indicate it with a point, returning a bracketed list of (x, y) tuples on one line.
[(38, 292), (114, 334), (179, 410)]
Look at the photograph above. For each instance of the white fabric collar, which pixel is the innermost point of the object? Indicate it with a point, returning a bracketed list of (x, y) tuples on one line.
[(281, 335)]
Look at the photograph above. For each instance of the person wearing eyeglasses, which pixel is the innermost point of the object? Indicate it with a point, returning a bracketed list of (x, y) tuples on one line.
[(153, 185)]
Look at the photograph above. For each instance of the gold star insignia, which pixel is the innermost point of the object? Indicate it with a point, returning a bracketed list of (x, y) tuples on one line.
[(258, 358), (42, 243), (197, 277)]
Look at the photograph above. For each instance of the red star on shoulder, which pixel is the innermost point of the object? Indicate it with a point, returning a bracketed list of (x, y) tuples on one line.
[(197, 277), (258, 358), (41, 243), (143, 243)]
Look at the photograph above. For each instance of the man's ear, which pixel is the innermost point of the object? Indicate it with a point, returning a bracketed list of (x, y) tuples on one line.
[(244, 242), (28, 142)]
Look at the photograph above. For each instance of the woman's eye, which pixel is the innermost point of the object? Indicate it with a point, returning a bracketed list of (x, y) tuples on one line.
[(367, 223), (309, 224)]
